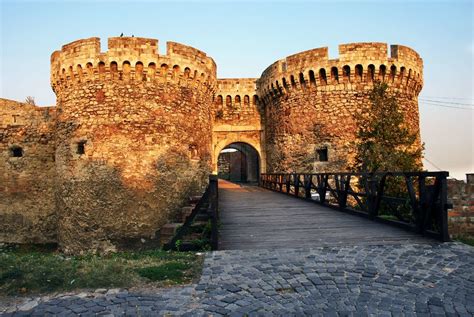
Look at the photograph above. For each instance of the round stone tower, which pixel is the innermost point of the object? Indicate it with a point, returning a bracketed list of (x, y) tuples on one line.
[(310, 102), (133, 137)]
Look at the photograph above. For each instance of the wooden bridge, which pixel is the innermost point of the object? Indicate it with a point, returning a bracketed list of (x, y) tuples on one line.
[(253, 217), (325, 209)]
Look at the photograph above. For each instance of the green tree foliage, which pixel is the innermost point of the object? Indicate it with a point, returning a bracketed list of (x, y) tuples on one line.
[(384, 142)]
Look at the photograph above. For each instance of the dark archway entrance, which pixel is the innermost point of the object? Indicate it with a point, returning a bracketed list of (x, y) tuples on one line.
[(239, 162)]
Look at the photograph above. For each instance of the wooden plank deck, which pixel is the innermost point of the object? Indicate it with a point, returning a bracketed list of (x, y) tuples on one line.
[(254, 218)]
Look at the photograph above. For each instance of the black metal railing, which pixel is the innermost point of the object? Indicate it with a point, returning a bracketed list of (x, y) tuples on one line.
[(416, 201), (208, 204)]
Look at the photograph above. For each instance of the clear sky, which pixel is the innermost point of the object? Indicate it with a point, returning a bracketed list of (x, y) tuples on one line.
[(245, 37)]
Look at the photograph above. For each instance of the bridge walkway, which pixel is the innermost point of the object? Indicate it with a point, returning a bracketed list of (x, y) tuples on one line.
[(256, 218)]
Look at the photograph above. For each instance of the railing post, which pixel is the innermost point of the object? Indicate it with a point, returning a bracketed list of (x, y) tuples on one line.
[(420, 218), (344, 187), (296, 180), (443, 208), (307, 186), (322, 187), (372, 195)]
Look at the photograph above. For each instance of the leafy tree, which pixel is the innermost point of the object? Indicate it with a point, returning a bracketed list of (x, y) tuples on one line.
[(384, 142)]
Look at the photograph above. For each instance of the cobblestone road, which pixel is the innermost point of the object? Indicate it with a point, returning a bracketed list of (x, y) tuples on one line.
[(385, 280)]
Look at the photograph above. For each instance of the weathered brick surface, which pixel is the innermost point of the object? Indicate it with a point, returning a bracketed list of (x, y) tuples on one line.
[(461, 217), (27, 206), (152, 126)]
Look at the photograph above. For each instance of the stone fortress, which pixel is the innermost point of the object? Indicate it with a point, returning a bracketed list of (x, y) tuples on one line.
[(135, 132)]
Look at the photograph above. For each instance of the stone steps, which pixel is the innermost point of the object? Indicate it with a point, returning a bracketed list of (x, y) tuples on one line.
[(168, 231)]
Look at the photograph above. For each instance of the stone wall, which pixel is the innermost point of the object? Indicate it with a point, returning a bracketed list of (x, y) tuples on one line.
[(134, 132), (461, 217), (133, 138), (27, 204), (310, 102)]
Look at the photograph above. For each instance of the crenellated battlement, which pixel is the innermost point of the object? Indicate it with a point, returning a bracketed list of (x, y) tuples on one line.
[(235, 92), (130, 59), (358, 66)]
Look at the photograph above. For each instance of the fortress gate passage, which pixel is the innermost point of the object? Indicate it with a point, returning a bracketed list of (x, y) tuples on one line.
[(239, 162)]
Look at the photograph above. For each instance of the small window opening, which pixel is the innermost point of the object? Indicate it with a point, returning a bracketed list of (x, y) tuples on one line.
[(292, 80), (346, 73), (322, 154), (16, 151), (312, 79), (219, 100), (393, 72), (371, 72), (187, 71), (279, 88), (302, 81), (322, 76), (382, 72), (359, 71), (246, 100), (81, 147), (255, 100), (335, 74), (151, 71), (139, 72)]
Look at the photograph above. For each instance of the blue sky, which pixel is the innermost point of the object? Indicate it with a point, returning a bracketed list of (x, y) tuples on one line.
[(245, 37)]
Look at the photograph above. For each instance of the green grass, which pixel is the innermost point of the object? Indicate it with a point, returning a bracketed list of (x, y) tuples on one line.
[(465, 239), (175, 271), (25, 271)]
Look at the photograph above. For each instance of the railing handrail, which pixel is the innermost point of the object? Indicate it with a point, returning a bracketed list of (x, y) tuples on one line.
[(425, 173), (428, 203)]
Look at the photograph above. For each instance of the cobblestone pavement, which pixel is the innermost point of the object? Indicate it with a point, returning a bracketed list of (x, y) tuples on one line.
[(385, 280)]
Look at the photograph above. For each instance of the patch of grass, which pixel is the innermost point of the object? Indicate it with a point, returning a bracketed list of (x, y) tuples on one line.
[(202, 244), (172, 271), (465, 239), (23, 271)]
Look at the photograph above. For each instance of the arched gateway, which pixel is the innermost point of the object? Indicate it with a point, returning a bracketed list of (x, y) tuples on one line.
[(239, 162)]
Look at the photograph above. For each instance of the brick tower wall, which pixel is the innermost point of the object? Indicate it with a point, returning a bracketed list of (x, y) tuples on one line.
[(310, 102), (143, 122), (27, 203)]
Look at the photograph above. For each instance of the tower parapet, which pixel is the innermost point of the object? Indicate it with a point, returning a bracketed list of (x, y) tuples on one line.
[(359, 65), (130, 59)]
